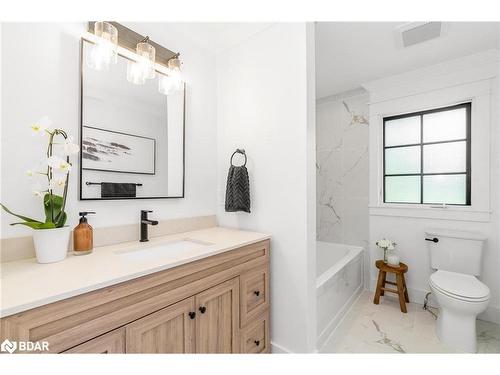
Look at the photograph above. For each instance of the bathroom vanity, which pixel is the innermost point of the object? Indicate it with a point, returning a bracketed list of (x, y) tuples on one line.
[(205, 291)]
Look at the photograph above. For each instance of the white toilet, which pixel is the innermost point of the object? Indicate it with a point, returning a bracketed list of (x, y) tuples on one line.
[(457, 258)]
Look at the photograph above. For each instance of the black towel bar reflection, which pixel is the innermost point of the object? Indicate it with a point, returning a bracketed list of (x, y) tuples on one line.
[(435, 240), (100, 183)]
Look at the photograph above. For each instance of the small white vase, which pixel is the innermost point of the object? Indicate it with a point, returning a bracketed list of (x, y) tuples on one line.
[(393, 260), (51, 245)]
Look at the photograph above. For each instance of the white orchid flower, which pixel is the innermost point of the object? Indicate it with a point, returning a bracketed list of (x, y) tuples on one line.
[(69, 147), (42, 125), (58, 164), (38, 190), (35, 170), (57, 181)]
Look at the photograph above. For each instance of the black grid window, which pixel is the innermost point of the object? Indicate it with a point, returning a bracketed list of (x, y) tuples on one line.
[(427, 156)]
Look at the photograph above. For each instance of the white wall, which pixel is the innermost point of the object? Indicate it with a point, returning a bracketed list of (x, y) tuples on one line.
[(40, 76), (263, 106), (473, 78)]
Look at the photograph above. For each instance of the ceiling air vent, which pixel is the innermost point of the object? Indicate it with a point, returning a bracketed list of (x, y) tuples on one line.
[(413, 33)]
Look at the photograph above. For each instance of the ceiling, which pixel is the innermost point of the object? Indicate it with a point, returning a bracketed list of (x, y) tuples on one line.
[(211, 36), (351, 53)]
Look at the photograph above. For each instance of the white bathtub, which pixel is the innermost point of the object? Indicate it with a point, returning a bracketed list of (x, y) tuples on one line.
[(339, 280)]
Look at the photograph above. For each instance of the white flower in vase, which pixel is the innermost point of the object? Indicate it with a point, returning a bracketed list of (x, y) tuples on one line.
[(42, 126), (69, 147), (58, 181), (58, 165), (386, 245), (51, 235), (39, 190)]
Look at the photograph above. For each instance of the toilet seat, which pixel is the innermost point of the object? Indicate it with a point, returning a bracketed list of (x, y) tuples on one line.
[(460, 286)]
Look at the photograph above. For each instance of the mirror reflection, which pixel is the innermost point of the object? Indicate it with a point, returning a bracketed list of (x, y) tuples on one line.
[(132, 136)]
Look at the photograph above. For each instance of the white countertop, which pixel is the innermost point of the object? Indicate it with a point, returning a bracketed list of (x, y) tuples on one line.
[(26, 284)]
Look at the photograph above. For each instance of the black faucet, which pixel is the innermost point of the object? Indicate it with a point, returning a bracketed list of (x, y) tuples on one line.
[(144, 225)]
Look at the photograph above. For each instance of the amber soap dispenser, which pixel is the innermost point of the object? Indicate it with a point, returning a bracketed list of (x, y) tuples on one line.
[(83, 236)]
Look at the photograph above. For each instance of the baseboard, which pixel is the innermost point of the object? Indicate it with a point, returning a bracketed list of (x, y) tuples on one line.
[(492, 313), (328, 332)]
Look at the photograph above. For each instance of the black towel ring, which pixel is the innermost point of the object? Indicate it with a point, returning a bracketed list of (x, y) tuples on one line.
[(239, 151)]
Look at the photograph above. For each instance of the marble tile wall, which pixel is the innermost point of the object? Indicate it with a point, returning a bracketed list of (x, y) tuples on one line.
[(342, 168)]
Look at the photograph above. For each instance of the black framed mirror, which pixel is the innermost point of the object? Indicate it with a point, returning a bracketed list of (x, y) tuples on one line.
[(132, 137)]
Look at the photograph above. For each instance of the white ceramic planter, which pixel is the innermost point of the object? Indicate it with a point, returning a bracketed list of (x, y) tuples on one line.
[(51, 245)]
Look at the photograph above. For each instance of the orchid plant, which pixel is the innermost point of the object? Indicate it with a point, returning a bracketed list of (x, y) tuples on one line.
[(386, 245), (56, 172)]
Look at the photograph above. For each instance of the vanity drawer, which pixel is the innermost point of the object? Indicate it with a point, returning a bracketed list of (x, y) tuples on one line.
[(254, 291), (255, 337), (109, 343)]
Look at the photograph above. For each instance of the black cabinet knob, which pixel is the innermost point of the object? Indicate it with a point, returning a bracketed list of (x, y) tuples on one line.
[(257, 342), (202, 309), (257, 293), (192, 314)]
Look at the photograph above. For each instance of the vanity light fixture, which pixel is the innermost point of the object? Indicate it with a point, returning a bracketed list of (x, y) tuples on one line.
[(105, 50), (174, 63), (144, 67), (168, 83), (142, 64), (146, 53)]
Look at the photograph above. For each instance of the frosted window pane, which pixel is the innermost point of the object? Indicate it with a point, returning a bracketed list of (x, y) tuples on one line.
[(448, 189), (403, 131), (445, 157), (445, 126), (402, 160), (402, 189)]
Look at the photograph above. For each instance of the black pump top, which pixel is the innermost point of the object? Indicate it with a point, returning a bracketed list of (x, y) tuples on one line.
[(83, 219)]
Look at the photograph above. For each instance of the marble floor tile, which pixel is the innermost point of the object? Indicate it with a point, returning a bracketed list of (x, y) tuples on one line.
[(370, 328)]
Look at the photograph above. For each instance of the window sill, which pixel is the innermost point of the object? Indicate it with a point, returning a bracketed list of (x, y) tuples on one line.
[(431, 212)]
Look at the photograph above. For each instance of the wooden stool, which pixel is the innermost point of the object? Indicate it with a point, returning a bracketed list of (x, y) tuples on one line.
[(400, 283)]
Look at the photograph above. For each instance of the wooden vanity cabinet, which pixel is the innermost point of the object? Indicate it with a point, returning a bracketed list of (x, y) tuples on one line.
[(219, 304)]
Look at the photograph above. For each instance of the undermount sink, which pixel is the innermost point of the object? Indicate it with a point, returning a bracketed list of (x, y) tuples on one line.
[(170, 249)]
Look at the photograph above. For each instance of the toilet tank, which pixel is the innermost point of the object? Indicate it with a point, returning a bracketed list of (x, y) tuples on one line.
[(456, 251)]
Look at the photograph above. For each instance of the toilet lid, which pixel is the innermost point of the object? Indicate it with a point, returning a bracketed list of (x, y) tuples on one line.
[(460, 285)]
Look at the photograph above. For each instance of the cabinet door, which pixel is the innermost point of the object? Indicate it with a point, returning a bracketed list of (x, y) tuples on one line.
[(109, 343), (217, 320), (170, 330)]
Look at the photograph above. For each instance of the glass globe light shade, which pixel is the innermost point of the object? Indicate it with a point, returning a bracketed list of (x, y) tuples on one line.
[(105, 50), (147, 54)]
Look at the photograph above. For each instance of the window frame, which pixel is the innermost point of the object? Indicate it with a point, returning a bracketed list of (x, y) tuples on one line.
[(468, 114)]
